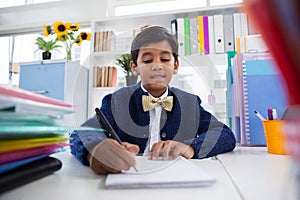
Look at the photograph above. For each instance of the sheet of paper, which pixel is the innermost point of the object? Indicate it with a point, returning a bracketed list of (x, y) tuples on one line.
[(161, 174)]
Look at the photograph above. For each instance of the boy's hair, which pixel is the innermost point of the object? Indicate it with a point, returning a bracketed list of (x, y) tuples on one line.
[(153, 34)]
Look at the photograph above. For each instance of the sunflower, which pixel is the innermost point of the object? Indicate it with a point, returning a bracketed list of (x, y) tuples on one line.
[(82, 36), (73, 27), (47, 30), (60, 29)]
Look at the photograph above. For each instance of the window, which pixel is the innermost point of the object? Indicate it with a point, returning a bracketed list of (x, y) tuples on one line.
[(12, 3)]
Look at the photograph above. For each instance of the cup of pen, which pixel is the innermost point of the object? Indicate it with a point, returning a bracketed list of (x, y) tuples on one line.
[(275, 137)]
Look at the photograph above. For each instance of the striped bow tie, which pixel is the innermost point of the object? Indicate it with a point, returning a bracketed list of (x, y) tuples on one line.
[(149, 103)]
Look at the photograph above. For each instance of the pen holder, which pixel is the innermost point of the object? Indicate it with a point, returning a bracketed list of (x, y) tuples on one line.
[(275, 137)]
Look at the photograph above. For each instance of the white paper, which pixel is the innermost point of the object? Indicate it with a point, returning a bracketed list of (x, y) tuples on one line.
[(160, 174)]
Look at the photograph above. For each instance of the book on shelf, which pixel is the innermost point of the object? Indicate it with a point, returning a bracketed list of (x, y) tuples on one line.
[(104, 41), (105, 76)]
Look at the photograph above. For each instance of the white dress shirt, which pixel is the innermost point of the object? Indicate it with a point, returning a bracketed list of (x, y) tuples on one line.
[(154, 126)]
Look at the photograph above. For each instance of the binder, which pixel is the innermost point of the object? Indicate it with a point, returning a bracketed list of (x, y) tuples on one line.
[(200, 34), (28, 173), (263, 87), (174, 28), (187, 44), (211, 34), (228, 33), (219, 33), (180, 36), (244, 30), (206, 35), (237, 30), (194, 36)]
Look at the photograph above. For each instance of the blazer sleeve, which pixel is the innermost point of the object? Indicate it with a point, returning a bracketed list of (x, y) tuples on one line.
[(213, 136), (84, 141)]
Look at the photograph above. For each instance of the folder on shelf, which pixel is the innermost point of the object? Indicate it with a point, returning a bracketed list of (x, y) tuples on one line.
[(228, 33), (28, 173), (211, 33), (177, 173), (200, 34), (187, 42), (180, 36), (194, 36), (219, 33), (206, 35)]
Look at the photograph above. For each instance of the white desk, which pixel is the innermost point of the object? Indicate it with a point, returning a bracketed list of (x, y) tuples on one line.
[(260, 175), (246, 173)]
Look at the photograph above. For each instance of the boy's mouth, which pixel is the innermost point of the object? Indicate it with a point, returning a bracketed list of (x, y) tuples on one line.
[(158, 77)]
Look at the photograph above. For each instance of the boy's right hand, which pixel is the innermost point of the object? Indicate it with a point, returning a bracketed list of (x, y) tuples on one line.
[(111, 157)]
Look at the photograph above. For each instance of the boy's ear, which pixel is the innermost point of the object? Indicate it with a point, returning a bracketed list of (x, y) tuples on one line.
[(133, 68), (176, 66)]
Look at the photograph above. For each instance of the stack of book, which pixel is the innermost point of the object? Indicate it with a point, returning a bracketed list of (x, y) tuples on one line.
[(29, 132)]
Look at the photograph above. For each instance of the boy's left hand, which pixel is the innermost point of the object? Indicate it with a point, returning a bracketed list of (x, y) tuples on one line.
[(171, 148)]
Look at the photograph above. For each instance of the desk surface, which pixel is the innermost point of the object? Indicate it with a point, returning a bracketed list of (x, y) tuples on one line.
[(246, 173)]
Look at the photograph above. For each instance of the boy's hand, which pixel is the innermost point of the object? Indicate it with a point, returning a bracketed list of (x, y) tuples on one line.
[(170, 148), (111, 157)]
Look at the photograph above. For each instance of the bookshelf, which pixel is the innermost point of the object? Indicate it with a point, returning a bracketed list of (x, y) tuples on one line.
[(124, 28)]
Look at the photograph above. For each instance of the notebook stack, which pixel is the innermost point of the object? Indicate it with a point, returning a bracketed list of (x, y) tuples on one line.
[(30, 132)]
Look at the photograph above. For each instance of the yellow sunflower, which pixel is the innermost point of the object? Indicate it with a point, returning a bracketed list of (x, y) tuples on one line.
[(60, 29), (47, 30), (82, 36), (73, 27)]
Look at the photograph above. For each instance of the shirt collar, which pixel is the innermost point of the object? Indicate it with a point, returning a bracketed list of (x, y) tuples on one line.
[(165, 94)]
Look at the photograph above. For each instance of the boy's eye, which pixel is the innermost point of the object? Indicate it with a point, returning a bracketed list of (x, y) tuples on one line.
[(147, 61), (165, 59)]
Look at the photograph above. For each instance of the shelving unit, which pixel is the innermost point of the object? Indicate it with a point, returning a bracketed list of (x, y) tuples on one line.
[(191, 68)]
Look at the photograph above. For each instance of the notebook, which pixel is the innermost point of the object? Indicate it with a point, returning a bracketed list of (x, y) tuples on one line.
[(176, 173), (263, 88)]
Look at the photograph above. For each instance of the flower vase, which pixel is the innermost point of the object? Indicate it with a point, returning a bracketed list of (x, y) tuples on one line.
[(69, 55)]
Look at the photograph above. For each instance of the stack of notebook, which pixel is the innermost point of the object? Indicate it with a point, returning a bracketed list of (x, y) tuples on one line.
[(30, 132)]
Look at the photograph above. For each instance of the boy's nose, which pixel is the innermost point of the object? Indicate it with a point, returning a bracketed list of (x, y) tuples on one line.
[(156, 67)]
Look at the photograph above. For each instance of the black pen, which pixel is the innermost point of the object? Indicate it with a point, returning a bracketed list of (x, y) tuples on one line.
[(106, 125)]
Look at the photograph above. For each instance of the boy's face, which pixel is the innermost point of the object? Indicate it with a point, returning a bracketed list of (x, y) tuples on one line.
[(156, 66)]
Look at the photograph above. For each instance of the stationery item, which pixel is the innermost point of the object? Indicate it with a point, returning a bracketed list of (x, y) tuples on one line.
[(28, 173), (10, 145), (15, 155), (200, 33), (194, 36), (262, 87), (176, 173), (259, 115), (219, 33), (24, 101), (206, 35), (228, 33), (237, 30), (104, 123), (180, 36), (187, 42), (275, 137), (211, 34), (270, 114)]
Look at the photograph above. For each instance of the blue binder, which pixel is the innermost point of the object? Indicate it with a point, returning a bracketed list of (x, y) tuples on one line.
[(263, 87)]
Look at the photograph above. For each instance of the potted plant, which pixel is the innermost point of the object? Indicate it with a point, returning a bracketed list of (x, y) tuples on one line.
[(124, 62), (47, 46)]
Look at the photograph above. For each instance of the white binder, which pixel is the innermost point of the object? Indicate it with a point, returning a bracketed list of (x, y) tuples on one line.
[(228, 33), (219, 33), (211, 34)]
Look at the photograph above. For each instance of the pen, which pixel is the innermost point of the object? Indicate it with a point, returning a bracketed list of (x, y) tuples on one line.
[(259, 115), (106, 125), (270, 114)]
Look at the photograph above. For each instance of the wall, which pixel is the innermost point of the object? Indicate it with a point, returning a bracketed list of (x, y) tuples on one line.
[(31, 18)]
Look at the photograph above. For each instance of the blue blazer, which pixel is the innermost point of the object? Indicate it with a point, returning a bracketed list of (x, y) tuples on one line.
[(188, 122)]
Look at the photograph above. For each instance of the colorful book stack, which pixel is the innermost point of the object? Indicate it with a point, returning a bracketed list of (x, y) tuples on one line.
[(29, 133)]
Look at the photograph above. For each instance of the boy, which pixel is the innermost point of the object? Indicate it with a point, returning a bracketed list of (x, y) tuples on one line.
[(150, 117)]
